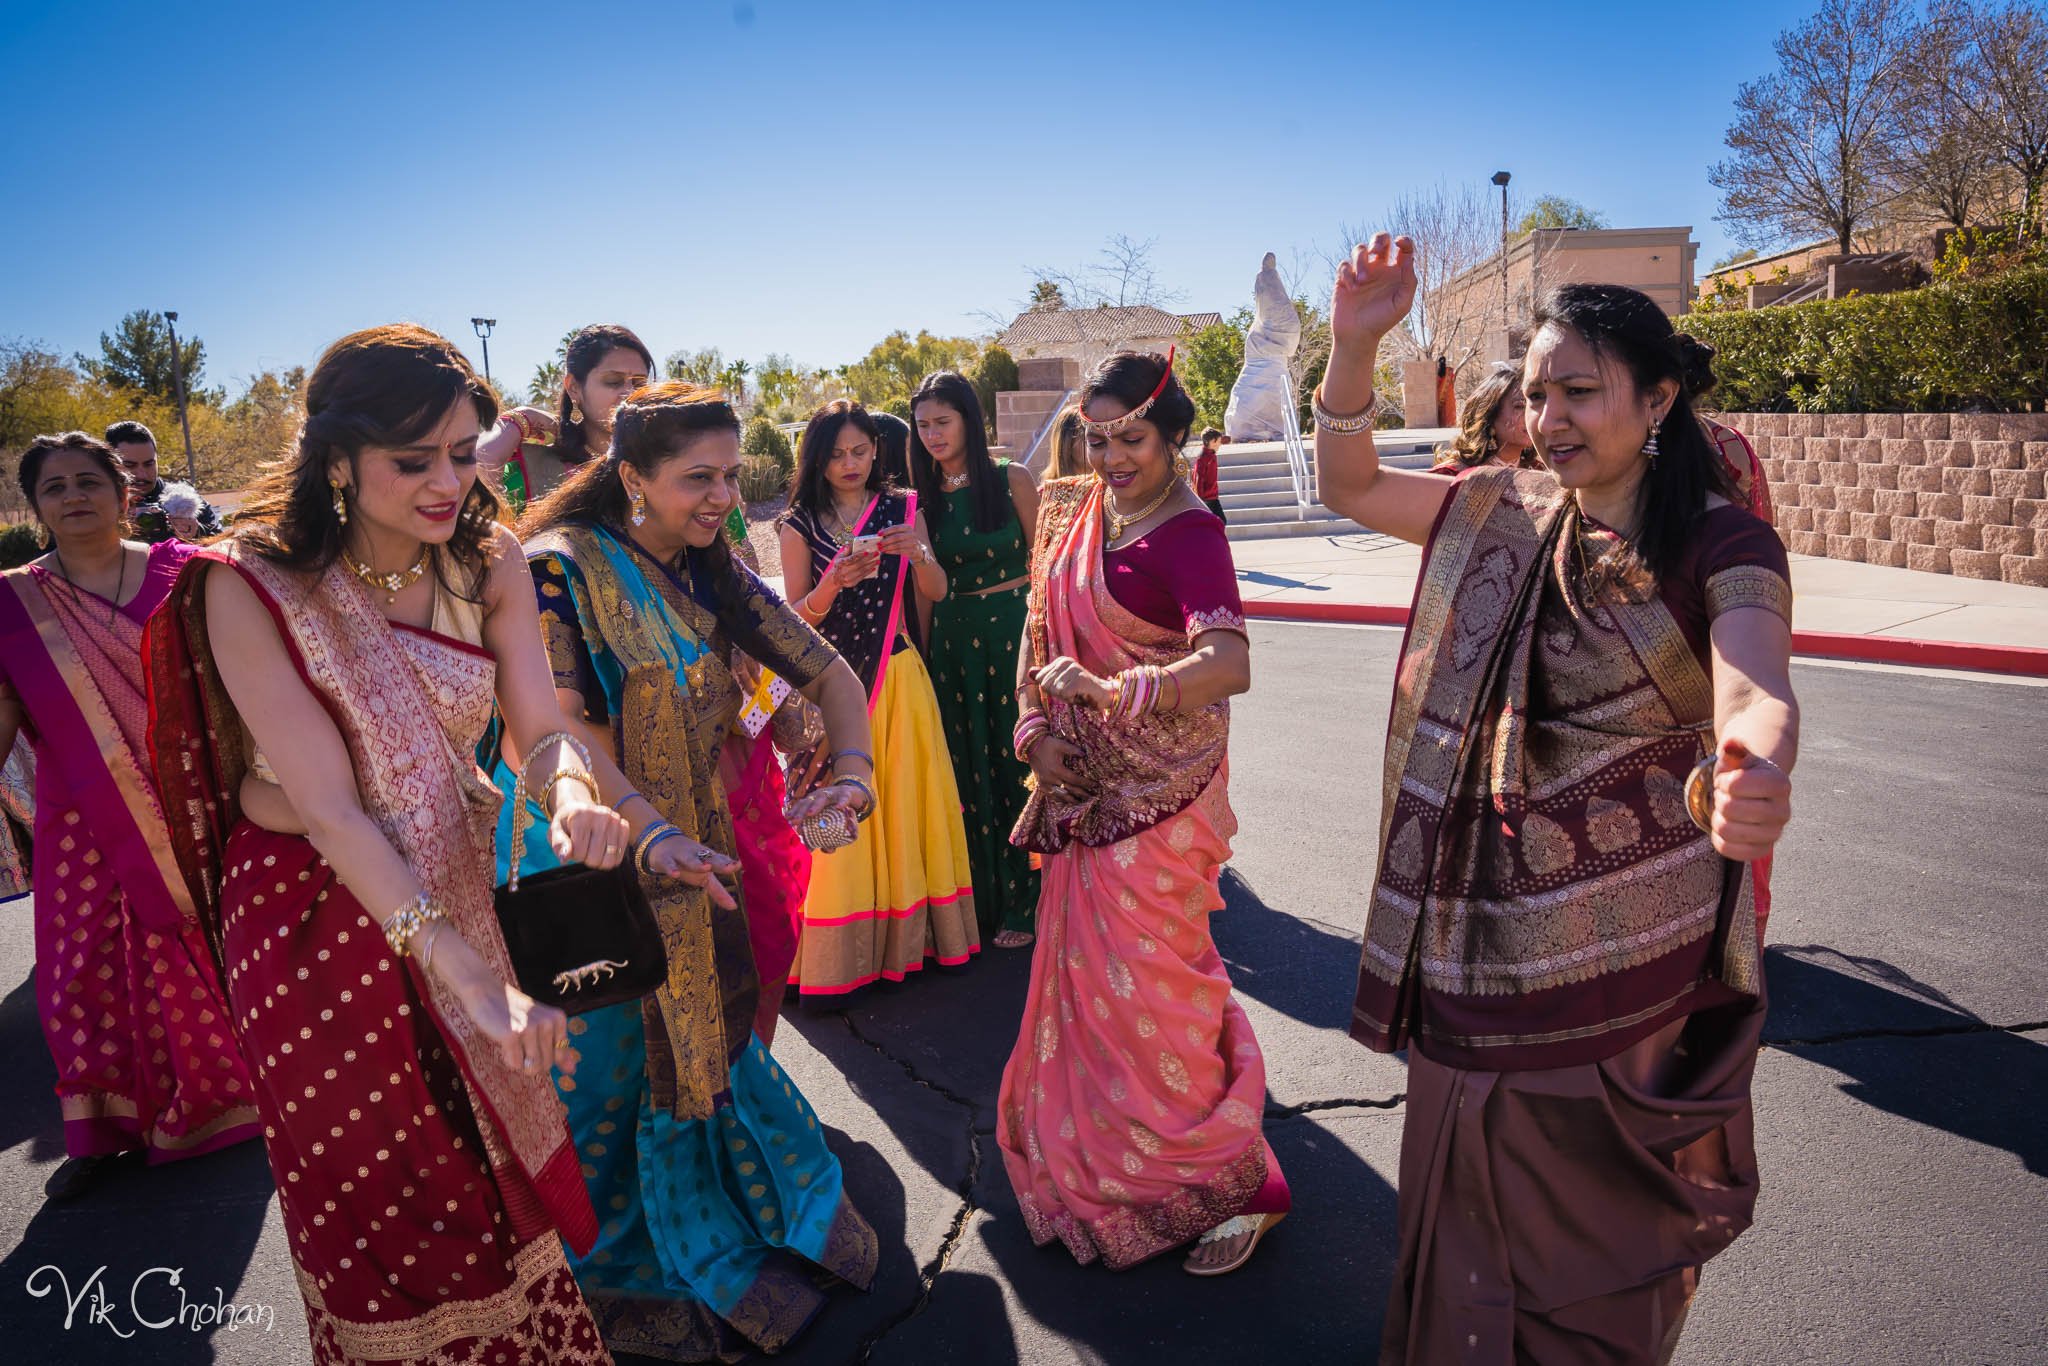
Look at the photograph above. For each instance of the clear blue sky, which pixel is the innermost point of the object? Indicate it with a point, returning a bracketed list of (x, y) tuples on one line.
[(787, 176)]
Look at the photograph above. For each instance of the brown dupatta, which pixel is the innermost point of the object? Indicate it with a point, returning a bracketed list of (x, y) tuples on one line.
[(1147, 769), (431, 802), (1543, 899)]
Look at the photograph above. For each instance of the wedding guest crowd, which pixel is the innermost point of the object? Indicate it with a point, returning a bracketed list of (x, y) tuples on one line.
[(462, 816)]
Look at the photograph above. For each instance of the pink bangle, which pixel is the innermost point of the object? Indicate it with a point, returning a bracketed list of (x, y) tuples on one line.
[(1031, 728)]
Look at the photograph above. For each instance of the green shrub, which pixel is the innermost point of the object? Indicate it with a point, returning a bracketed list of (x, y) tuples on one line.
[(1978, 344), (762, 439), (763, 477), (19, 544)]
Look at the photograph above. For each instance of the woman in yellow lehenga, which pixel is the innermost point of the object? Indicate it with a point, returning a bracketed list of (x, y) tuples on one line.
[(903, 891)]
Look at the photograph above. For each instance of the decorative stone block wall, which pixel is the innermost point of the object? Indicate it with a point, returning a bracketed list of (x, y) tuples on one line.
[(1952, 493)]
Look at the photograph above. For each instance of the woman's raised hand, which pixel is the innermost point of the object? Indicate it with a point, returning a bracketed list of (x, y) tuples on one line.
[(1065, 679), (685, 860), (584, 832), (901, 540), (1374, 291)]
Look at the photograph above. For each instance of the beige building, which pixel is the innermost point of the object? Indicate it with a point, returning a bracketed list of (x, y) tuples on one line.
[(1658, 261), (1086, 335), (1465, 312)]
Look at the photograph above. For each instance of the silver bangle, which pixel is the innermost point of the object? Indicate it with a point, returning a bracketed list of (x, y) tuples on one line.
[(1345, 425)]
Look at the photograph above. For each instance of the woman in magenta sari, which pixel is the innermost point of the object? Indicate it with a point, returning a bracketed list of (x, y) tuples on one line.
[(1129, 1117), (319, 683), (130, 1003), (1591, 740)]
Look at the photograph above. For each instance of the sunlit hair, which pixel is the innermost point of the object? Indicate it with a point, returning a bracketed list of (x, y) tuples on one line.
[(1625, 327), (652, 426), (1476, 443), (1132, 377), (38, 454), (1069, 456), (807, 486), (894, 447), (583, 354), (988, 492), (385, 386)]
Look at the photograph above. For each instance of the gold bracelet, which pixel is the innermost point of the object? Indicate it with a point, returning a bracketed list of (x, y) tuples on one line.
[(1343, 424), (408, 920), (569, 775), (576, 747)]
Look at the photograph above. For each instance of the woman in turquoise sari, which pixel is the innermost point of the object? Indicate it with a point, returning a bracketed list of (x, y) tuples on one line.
[(718, 1198)]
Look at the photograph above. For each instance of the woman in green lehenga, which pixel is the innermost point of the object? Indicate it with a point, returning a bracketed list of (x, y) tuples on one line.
[(982, 514)]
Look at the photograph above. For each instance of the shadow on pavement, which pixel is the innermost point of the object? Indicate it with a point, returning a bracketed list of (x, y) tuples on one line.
[(201, 1217), (1295, 967), (1265, 580), (1812, 982)]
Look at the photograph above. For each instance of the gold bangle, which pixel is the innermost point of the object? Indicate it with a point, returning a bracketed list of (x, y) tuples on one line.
[(569, 775), (1343, 424)]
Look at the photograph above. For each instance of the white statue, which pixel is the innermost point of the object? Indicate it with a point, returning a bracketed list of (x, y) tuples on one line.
[(1264, 388)]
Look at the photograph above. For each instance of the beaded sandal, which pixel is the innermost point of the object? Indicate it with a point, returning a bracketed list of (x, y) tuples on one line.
[(1257, 1225)]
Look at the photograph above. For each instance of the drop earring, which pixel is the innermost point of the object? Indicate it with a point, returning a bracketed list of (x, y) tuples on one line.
[(639, 510), (575, 412), (340, 503), (1650, 443)]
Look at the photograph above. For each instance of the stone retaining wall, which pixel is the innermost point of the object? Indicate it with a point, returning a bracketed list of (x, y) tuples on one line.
[(1953, 493)]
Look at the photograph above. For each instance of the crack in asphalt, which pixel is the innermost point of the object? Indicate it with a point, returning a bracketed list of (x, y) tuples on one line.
[(1342, 1103), (928, 1274), (1921, 1032)]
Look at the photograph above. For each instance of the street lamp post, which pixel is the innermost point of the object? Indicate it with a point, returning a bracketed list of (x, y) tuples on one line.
[(1500, 178), (483, 328), (178, 383)]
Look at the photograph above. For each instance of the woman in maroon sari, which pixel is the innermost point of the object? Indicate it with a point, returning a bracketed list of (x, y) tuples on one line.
[(1592, 735), (319, 683), (130, 1002)]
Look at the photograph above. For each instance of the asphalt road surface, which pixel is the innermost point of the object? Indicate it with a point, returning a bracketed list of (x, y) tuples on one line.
[(1900, 1102)]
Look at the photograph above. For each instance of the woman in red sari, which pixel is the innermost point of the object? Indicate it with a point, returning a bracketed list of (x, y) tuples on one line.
[(1591, 740), (319, 683), (131, 1005), (1130, 1111)]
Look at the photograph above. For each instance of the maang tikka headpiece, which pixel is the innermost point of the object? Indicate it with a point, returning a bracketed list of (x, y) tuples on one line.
[(1117, 424)]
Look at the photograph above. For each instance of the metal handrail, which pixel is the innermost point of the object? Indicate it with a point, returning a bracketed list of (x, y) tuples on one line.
[(1045, 430), (1298, 467)]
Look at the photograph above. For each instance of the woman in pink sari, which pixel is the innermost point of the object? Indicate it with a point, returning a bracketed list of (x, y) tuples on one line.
[(1129, 1117), (131, 1006)]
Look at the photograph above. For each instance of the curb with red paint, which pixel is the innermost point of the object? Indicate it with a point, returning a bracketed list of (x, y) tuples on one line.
[(1931, 654)]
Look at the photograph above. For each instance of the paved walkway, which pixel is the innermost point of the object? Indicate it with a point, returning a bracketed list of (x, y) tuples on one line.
[(1831, 595)]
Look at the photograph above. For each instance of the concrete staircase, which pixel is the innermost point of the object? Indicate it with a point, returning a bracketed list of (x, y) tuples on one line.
[(1258, 494)]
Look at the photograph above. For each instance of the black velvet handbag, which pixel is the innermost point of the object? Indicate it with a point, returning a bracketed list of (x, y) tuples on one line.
[(581, 938)]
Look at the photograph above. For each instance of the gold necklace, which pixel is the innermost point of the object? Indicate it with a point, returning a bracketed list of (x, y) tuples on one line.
[(392, 584), (1117, 521)]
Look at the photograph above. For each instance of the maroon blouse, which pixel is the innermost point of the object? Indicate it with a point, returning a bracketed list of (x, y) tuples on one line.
[(1179, 575)]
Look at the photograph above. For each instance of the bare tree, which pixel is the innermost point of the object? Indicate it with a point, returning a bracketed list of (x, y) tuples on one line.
[(2004, 94), (1936, 162), (1809, 138), (1455, 228), (1122, 276)]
